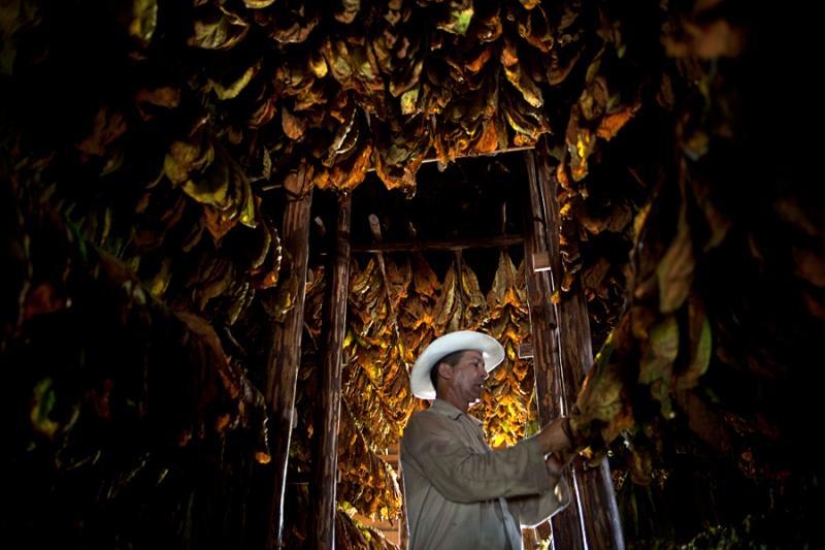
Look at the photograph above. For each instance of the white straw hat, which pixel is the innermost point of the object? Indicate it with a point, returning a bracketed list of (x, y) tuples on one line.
[(491, 351)]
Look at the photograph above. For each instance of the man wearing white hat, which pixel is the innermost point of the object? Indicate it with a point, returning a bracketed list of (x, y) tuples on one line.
[(458, 492)]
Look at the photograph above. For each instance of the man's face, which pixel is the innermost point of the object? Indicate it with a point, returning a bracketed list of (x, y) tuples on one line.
[(469, 376)]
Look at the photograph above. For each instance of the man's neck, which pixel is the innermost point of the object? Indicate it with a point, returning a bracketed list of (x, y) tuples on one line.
[(454, 400)]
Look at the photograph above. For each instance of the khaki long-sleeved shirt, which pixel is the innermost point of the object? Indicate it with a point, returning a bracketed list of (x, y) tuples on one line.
[(460, 494)]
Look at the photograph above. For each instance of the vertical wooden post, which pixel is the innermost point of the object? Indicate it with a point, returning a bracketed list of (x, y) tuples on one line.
[(594, 512), (282, 367), (322, 521), (544, 325), (602, 524)]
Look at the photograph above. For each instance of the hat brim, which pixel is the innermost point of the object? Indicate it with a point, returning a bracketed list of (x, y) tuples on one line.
[(463, 340)]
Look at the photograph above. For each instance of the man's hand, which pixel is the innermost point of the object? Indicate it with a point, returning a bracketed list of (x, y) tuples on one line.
[(553, 436), (555, 464)]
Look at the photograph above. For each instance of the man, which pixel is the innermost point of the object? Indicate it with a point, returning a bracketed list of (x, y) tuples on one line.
[(458, 492)]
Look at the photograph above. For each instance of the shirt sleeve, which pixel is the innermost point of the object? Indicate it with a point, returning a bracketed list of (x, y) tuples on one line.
[(532, 510), (438, 447)]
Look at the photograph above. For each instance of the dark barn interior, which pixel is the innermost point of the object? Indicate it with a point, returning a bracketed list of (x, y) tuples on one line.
[(230, 226)]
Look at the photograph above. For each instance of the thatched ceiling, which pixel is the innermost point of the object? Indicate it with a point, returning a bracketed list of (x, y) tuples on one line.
[(149, 148)]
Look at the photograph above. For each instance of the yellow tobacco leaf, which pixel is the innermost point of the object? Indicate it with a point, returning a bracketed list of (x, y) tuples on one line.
[(232, 89)]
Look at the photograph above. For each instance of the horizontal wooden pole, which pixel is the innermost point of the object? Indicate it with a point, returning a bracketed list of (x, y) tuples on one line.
[(408, 246)]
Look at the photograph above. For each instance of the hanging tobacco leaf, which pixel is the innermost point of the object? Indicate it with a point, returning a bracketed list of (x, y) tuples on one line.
[(215, 27)]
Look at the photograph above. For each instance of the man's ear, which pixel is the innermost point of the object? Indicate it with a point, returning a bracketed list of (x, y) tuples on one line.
[(447, 372)]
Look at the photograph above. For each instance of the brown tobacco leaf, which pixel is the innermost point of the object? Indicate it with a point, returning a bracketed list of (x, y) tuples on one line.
[(814, 304), (487, 26), (265, 267), (298, 179), (293, 126), (43, 298), (234, 82), (448, 303), (535, 28), (360, 278), (561, 63), (217, 279), (407, 75), (674, 273), (489, 139), (348, 135), (400, 278), (257, 4), (350, 64), (527, 122), (594, 98), (809, 264), (278, 301), (509, 52), (603, 409), (710, 425), (640, 465), (217, 28), (288, 23), (523, 82), (146, 99), (425, 279), (611, 123), (717, 222), (347, 11), (615, 219), (593, 275), (701, 346), (108, 125), (517, 74), (295, 76), (226, 194), (708, 40), (475, 304), (507, 290), (399, 152), (347, 175), (225, 384)]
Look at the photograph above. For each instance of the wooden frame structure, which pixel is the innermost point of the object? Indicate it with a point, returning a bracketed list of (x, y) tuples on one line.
[(562, 352)]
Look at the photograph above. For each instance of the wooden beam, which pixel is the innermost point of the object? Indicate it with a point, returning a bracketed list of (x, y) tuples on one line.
[(282, 366), (543, 244), (487, 242), (513, 149), (322, 520), (595, 501), (602, 524)]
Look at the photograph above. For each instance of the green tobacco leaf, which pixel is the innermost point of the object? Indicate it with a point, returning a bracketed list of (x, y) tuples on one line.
[(214, 29), (213, 186), (140, 18), (661, 351), (460, 17), (185, 157), (701, 347), (43, 403)]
